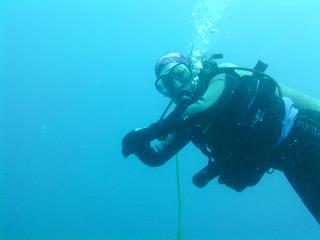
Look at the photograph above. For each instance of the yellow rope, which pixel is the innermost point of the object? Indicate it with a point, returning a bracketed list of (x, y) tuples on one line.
[(179, 230)]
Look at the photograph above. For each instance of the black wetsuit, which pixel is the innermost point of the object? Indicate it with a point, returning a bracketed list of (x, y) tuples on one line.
[(244, 150), (299, 158)]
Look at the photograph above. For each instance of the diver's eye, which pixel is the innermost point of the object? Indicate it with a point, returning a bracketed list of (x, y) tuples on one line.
[(180, 73)]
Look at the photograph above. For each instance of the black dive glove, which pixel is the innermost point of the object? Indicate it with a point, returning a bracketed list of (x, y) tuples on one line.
[(137, 140)]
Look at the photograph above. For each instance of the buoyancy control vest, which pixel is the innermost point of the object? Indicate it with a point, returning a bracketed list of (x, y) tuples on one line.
[(246, 121)]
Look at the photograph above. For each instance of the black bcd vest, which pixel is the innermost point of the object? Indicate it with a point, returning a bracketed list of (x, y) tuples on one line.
[(244, 124)]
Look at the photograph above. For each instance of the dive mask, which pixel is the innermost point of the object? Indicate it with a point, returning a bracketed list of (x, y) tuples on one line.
[(170, 82)]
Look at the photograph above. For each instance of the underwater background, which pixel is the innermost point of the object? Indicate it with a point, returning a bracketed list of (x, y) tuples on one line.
[(76, 76)]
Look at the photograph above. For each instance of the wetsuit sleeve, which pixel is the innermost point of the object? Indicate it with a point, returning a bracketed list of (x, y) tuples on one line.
[(180, 128), (162, 151), (214, 91)]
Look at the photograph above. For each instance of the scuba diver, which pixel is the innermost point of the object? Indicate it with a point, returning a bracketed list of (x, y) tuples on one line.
[(241, 119)]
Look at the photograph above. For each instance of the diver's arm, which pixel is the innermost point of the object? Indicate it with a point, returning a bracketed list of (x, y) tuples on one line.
[(157, 155), (300, 99), (214, 91)]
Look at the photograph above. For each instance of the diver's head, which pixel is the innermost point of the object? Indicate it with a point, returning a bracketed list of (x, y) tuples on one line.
[(174, 76)]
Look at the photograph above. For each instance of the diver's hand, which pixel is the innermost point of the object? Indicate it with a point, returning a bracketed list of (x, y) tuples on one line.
[(136, 140), (133, 142)]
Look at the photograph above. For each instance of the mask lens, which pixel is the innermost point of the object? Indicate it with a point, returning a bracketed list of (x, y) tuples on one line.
[(172, 80), (161, 87), (181, 74), (176, 83)]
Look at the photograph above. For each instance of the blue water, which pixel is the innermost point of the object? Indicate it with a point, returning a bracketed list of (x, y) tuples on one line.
[(77, 75)]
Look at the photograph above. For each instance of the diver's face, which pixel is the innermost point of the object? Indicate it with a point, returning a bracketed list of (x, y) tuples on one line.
[(175, 79)]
